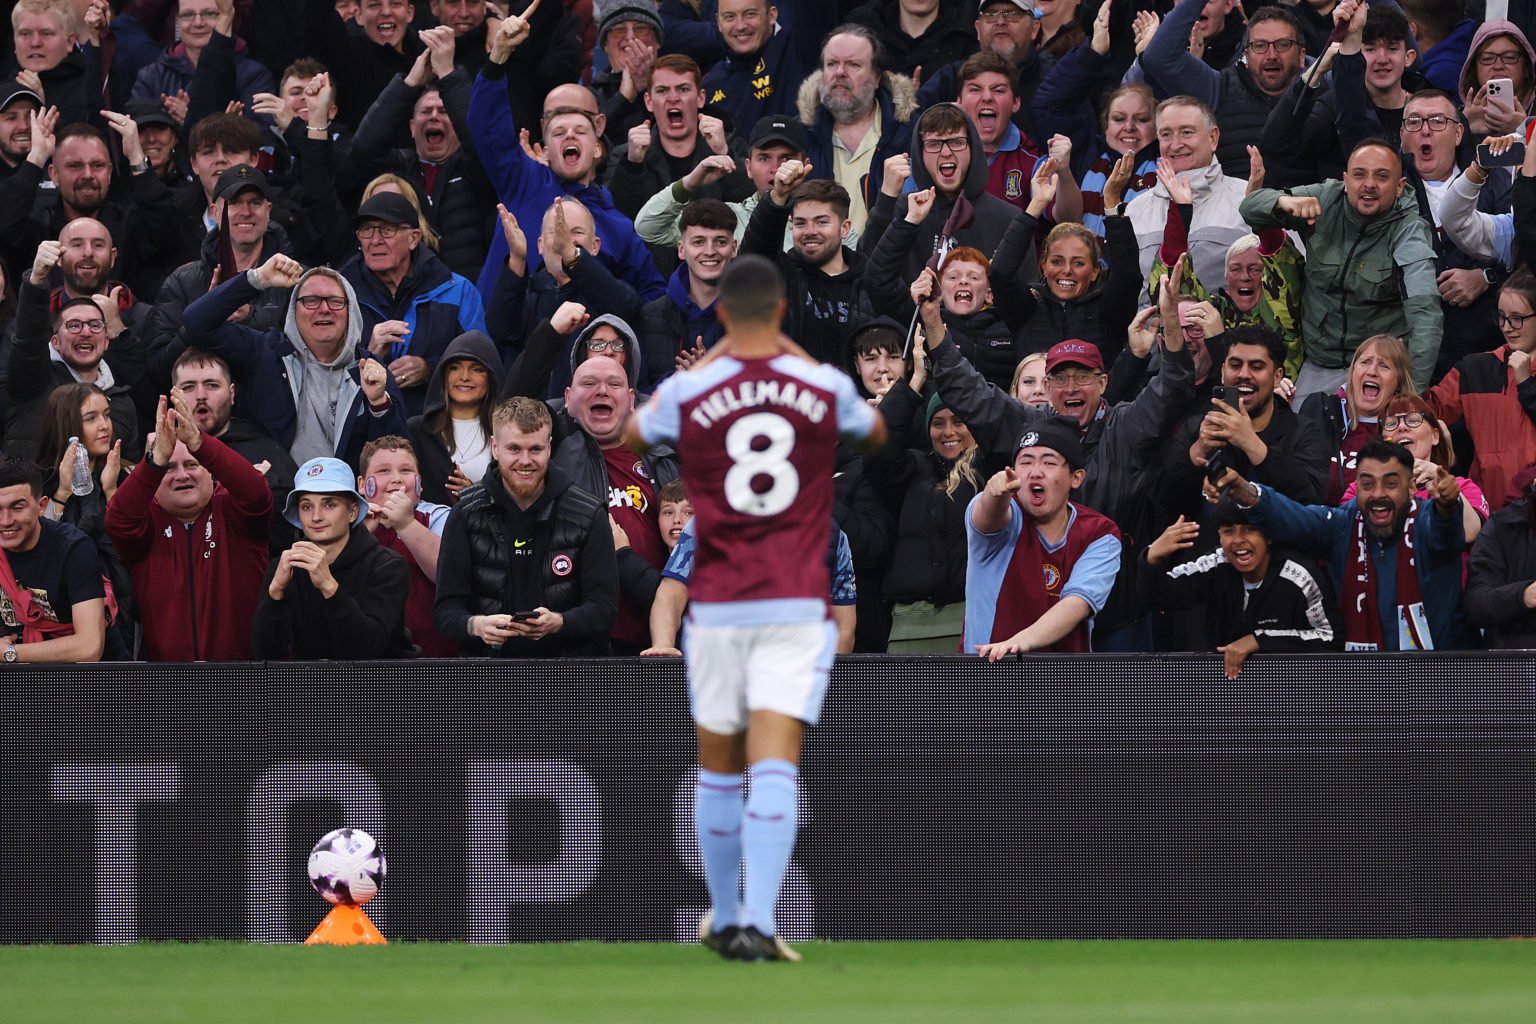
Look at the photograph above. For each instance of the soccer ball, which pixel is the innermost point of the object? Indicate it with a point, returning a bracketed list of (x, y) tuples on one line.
[(347, 867)]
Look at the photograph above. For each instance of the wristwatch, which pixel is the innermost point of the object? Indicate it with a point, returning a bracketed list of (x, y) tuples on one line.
[(10, 653), (139, 168), (1490, 276)]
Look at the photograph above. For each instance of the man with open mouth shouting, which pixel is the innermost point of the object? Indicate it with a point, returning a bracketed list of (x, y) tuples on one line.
[(1395, 560)]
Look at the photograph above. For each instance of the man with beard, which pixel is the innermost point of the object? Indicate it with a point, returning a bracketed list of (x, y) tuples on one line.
[(1241, 95), (527, 568), (859, 116), (204, 382), (527, 187), (17, 104), (823, 275), (1370, 264), (1249, 430), (1395, 560), (764, 62), (243, 198), (83, 332), (191, 523), (139, 213), (683, 320), (433, 97), (1006, 28)]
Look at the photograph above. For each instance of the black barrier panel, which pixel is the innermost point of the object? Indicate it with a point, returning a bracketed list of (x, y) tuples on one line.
[(1380, 795)]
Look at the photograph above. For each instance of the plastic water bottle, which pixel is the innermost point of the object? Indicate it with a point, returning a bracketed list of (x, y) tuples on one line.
[(80, 481)]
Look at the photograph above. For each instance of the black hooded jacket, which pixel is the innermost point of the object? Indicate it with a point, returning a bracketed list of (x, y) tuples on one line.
[(991, 215), (434, 462)]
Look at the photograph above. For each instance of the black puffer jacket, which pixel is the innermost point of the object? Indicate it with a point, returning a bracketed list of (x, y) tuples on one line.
[(1102, 314), (571, 570), (928, 563), (1502, 566), (461, 203)]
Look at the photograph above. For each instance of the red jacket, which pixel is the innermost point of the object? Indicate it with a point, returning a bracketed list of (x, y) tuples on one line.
[(199, 584), (1481, 390)]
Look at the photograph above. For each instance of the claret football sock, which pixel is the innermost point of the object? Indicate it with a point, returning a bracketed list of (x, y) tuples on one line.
[(717, 822), (768, 838)]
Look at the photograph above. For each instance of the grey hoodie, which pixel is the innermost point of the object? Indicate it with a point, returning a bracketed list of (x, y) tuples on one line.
[(321, 385), (631, 352)]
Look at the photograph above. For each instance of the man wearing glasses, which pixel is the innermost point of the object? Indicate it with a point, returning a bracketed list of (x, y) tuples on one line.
[(412, 305), (82, 336), (1242, 94), (311, 383)]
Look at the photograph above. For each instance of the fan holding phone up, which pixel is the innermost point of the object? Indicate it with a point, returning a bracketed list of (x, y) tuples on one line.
[(1496, 82)]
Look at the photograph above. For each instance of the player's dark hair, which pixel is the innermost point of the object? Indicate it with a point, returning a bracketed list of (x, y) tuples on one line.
[(197, 357), (1386, 25), (1436, 16), (235, 132), (526, 414), (751, 290), (710, 214), (1382, 450), (1260, 335), (821, 190), (672, 492), (986, 61), (20, 471)]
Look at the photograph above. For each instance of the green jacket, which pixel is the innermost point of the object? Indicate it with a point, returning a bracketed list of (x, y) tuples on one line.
[(1363, 278)]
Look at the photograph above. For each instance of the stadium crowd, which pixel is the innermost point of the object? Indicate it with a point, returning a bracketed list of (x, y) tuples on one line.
[(1202, 325)]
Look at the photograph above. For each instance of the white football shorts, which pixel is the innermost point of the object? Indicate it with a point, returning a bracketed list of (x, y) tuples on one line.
[(735, 670)]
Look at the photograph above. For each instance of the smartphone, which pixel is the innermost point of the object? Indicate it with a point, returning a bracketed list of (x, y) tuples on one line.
[(1222, 393), (524, 616), (1512, 157), (1501, 90), (1217, 465)]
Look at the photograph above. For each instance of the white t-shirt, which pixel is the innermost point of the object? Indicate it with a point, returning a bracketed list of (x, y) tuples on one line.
[(471, 449)]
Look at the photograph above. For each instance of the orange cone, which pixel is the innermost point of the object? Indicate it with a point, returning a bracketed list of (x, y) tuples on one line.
[(346, 926)]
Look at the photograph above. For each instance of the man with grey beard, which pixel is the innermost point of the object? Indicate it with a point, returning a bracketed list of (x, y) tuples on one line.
[(859, 115)]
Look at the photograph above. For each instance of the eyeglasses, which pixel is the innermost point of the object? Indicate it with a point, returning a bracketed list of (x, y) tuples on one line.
[(1514, 321), (187, 17), (367, 231), (1411, 420), (334, 303), (1082, 378), (1261, 46), (1011, 15), (1437, 123), (958, 144), (1507, 58), (81, 326), (616, 345)]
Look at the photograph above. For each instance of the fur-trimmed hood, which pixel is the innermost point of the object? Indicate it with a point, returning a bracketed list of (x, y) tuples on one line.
[(898, 89)]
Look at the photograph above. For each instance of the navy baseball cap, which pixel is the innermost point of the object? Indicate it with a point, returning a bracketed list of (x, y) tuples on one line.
[(390, 208)]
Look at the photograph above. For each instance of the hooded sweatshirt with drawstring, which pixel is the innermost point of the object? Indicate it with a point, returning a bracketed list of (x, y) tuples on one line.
[(315, 408), (989, 215)]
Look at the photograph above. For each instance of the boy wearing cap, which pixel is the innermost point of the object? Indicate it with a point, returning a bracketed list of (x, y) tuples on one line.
[(335, 594), (1253, 596), (1039, 566), (775, 139)]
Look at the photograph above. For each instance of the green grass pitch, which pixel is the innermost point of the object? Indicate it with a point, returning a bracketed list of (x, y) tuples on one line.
[(838, 983)]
